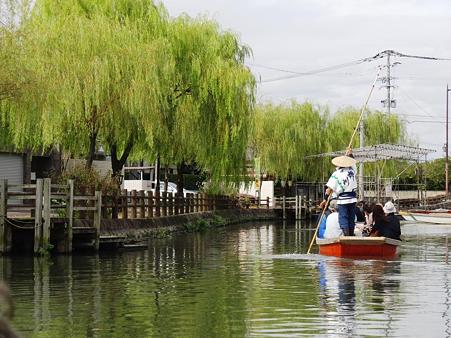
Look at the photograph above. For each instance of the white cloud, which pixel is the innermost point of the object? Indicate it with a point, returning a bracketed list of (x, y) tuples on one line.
[(302, 35)]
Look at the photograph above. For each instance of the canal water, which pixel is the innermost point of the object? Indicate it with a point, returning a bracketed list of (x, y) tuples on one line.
[(248, 281)]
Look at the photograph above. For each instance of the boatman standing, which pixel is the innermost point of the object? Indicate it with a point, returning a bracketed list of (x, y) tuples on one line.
[(343, 184)]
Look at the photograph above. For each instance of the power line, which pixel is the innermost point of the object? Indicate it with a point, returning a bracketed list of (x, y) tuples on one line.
[(428, 121), (415, 102), (386, 53), (311, 72)]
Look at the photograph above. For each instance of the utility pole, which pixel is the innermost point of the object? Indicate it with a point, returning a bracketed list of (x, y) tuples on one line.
[(446, 144), (388, 102), (388, 84)]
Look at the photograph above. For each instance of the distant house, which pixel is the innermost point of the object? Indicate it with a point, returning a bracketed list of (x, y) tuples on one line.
[(25, 167)]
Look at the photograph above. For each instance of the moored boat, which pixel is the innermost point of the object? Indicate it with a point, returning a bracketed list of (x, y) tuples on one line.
[(363, 247), (442, 216)]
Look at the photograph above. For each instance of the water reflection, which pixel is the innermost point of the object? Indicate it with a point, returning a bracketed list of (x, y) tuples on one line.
[(252, 281)]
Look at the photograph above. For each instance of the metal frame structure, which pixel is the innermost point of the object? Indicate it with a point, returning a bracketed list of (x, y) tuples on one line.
[(383, 152)]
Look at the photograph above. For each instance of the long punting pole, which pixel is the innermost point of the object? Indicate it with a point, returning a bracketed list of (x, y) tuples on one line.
[(347, 152)]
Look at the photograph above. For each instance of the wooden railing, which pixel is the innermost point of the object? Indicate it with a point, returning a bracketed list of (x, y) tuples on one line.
[(146, 204), (38, 206), (42, 202)]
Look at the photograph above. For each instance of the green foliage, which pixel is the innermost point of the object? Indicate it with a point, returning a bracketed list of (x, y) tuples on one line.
[(203, 224), (45, 251), (190, 181), (196, 226), (433, 172), (162, 233), (124, 75), (89, 180), (287, 136), (217, 220)]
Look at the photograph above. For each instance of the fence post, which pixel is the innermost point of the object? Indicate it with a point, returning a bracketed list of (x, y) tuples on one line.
[(38, 216), (150, 204), (133, 204), (164, 204), (69, 214), (296, 207), (124, 199), (186, 204), (192, 202), (170, 204), (196, 202), (182, 201), (157, 204), (3, 212), (46, 214), (300, 207), (283, 207), (142, 204), (177, 203), (97, 219)]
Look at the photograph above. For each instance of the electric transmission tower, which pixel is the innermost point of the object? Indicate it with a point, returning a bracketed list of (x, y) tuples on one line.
[(387, 81)]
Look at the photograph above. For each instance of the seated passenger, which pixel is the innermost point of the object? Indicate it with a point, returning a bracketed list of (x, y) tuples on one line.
[(382, 227), (359, 212), (368, 225), (333, 229), (395, 226), (322, 225)]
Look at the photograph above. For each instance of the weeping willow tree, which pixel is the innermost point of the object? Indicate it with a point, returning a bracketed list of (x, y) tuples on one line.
[(121, 74), (207, 98), (379, 128), (287, 136), (16, 76), (101, 69)]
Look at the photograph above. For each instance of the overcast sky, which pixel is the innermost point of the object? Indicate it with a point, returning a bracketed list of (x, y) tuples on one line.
[(303, 35)]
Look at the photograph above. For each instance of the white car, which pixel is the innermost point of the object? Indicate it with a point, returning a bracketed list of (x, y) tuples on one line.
[(172, 188)]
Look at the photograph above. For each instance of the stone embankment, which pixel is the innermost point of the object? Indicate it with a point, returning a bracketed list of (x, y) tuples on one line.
[(136, 229)]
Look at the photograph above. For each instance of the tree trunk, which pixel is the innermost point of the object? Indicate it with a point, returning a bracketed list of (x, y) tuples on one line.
[(118, 163), (166, 169), (157, 177), (92, 149), (116, 167), (180, 183)]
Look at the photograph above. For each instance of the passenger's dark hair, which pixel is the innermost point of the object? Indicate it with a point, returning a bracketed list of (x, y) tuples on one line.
[(368, 208), (378, 214)]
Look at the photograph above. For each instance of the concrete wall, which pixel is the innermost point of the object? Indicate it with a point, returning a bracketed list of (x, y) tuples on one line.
[(267, 190)]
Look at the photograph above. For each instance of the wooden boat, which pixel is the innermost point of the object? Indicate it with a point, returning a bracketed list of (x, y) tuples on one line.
[(441, 216), (359, 247)]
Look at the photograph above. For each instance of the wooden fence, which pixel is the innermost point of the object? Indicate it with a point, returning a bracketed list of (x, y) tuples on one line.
[(42, 207), (146, 204), (45, 207)]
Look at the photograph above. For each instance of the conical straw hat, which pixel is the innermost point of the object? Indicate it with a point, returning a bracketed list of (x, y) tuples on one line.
[(343, 161)]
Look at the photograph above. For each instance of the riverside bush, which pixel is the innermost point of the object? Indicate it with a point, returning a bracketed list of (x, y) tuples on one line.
[(203, 224)]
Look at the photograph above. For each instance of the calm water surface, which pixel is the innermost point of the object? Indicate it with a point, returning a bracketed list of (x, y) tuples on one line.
[(234, 282)]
